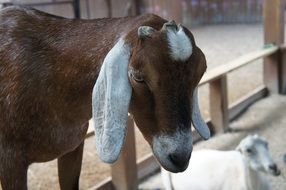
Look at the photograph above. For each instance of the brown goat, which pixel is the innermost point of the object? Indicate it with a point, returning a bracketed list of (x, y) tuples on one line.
[(54, 72)]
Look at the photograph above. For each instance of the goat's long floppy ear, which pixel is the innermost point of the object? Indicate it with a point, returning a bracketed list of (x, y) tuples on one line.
[(197, 119), (110, 101)]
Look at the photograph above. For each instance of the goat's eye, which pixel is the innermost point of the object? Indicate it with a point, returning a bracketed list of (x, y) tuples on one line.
[(138, 79), (136, 76), (248, 150)]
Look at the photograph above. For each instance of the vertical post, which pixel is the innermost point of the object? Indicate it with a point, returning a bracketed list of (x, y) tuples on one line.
[(219, 104), (137, 6), (283, 72), (76, 8), (132, 8), (109, 7), (273, 19), (175, 8), (124, 170)]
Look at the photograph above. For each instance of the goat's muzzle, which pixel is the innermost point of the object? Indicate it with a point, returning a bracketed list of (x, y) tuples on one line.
[(173, 151), (180, 160), (274, 170)]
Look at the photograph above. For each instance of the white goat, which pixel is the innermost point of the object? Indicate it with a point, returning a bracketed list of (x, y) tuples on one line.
[(239, 169)]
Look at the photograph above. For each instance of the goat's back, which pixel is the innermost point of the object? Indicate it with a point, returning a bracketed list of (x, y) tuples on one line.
[(210, 170)]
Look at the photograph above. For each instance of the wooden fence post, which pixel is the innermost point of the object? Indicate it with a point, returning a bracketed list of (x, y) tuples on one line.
[(124, 170), (273, 18), (76, 8), (134, 7), (175, 10), (283, 73), (219, 104), (109, 8)]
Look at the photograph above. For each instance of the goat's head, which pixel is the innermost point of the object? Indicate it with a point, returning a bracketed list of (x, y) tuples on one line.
[(255, 151), (158, 76)]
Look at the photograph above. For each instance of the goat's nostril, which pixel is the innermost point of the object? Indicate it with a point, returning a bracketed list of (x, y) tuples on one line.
[(273, 167), (179, 160), (174, 158)]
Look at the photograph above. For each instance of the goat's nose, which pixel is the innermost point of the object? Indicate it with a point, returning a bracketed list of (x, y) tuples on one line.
[(180, 160), (275, 169)]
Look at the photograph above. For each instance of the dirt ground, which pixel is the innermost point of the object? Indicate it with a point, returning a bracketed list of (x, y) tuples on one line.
[(220, 44)]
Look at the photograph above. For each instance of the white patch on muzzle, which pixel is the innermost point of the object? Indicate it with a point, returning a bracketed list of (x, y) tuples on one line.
[(180, 45)]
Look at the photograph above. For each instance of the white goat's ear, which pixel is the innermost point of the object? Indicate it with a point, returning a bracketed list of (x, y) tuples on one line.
[(145, 31), (197, 119), (110, 101)]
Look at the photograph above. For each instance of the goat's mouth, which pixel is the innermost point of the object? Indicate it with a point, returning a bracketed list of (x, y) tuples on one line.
[(274, 170), (168, 164)]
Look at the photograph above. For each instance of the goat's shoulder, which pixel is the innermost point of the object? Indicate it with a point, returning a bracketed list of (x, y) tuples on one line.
[(23, 19), (11, 17), (14, 11)]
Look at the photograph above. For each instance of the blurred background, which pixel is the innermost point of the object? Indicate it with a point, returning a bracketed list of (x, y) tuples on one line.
[(188, 12), (223, 29)]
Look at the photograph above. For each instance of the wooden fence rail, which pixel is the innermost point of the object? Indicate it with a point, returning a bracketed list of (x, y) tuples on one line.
[(217, 79), (237, 63)]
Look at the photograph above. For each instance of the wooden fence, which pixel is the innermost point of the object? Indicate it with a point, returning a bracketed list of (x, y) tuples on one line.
[(126, 172), (198, 12)]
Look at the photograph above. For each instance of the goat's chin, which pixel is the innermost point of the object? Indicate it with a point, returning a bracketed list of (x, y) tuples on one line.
[(274, 173), (269, 171)]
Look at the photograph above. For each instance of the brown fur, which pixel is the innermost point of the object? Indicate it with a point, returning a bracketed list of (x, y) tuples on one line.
[(165, 80), (48, 67)]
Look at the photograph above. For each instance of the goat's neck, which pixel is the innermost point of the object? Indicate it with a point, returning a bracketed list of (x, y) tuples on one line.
[(80, 50), (83, 47)]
